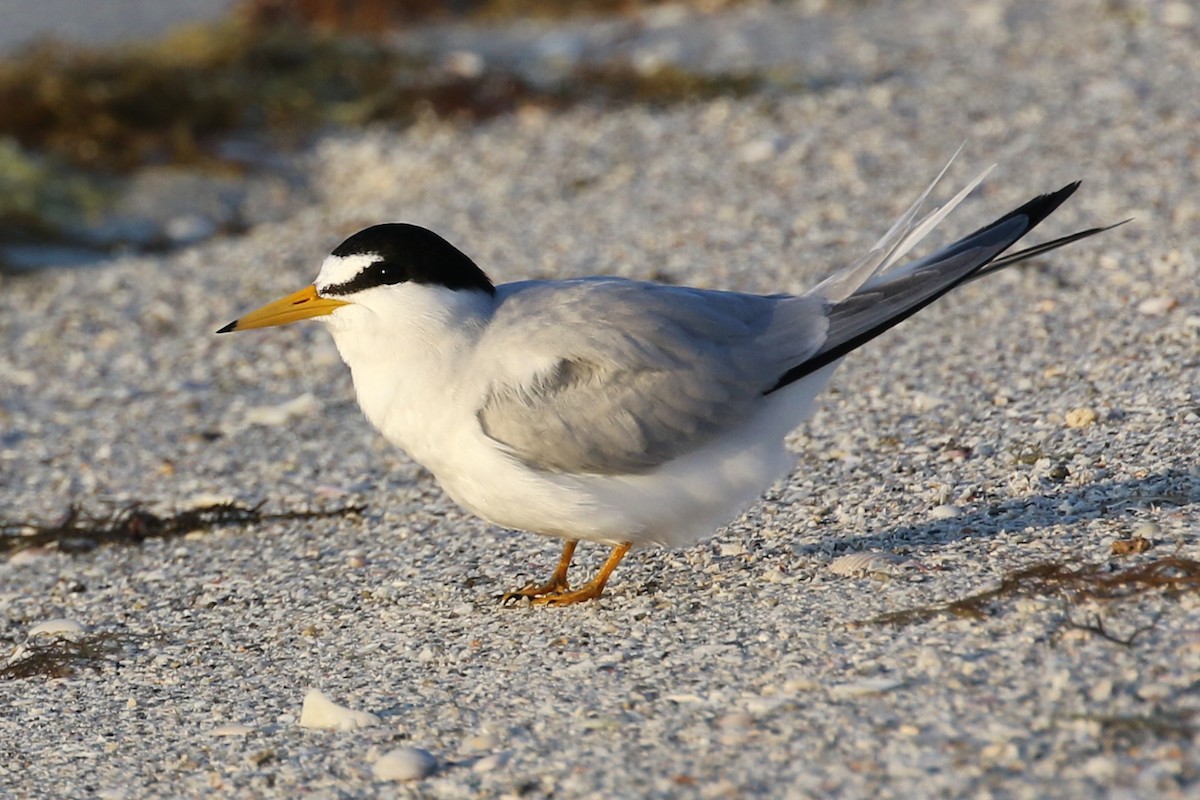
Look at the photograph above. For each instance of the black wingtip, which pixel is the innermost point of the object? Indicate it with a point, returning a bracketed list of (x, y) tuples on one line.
[(1047, 204), (229, 328), (1037, 209)]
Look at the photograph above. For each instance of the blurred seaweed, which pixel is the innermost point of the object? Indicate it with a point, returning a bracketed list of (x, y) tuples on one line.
[(41, 197), (376, 15), (77, 119), (171, 102)]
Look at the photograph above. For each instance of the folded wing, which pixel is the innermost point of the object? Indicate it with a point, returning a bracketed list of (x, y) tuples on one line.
[(619, 377)]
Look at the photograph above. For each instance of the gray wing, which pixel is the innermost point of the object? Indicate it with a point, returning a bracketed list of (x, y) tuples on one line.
[(609, 376)]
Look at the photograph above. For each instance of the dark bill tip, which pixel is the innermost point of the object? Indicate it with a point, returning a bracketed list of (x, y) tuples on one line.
[(229, 328)]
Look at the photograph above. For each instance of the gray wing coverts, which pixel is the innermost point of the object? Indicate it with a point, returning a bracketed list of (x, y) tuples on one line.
[(640, 373)]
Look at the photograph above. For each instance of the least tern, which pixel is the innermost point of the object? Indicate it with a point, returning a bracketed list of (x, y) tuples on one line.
[(617, 411)]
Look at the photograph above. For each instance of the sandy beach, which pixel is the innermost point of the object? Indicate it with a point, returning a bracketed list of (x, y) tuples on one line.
[(1033, 418)]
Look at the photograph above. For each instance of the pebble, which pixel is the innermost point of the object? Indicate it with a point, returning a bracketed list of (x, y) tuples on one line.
[(1178, 14), (490, 763), (57, 627), (208, 499), (924, 402), (1081, 417), (233, 729), (282, 413), (30, 555), (1101, 691), (735, 728), (1154, 692), (773, 575), (866, 686), (930, 661), (320, 712), (1124, 547), (735, 719), (1147, 530), (756, 151), (854, 564), (1156, 306), (405, 764), (1101, 768), (464, 64), (684, 699), (479, 743), (944, 511)]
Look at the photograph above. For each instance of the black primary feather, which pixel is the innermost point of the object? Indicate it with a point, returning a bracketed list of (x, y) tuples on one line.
[(918, 285)]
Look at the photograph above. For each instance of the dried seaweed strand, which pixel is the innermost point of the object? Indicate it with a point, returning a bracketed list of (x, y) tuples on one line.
[(1170, 574), (132, 524), (62, 657)]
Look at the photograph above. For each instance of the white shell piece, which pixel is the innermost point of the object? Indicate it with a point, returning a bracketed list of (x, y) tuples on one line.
[(854, 564), (321, 712)]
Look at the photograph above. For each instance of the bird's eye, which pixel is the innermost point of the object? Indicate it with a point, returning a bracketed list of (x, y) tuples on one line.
[(383, 274)]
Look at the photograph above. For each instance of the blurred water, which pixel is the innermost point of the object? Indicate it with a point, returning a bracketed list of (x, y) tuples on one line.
[(98, 22)]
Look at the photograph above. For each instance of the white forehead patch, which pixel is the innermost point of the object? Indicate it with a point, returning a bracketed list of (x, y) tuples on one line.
[(340, 269)]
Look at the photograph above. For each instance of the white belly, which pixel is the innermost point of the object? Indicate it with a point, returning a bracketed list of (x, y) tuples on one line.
[(675, 504)]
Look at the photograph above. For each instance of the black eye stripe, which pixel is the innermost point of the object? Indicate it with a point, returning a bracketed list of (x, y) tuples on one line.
[(377, 274), (407, 253)]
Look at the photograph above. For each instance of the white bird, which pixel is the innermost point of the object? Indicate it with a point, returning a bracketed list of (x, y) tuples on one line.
[(616, 411)]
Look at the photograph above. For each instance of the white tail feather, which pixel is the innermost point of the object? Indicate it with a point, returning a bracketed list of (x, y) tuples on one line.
[(901, 238)]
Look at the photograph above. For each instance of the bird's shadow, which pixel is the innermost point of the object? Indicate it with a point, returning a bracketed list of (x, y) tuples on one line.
[(1173, 486)]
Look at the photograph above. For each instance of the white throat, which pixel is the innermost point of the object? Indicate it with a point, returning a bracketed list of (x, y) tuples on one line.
[(407, 346)]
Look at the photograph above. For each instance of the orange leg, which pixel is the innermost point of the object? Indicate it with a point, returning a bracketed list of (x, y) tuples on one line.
[(556, 584), (592, 589)]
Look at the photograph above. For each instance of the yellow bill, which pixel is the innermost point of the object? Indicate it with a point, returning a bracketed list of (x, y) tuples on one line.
[(299, 305)]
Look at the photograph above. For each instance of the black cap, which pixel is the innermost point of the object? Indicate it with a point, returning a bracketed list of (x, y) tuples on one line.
[(407, 253)]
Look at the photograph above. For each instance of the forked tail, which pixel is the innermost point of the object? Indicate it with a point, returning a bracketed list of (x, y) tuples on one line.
[(873, 294)]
